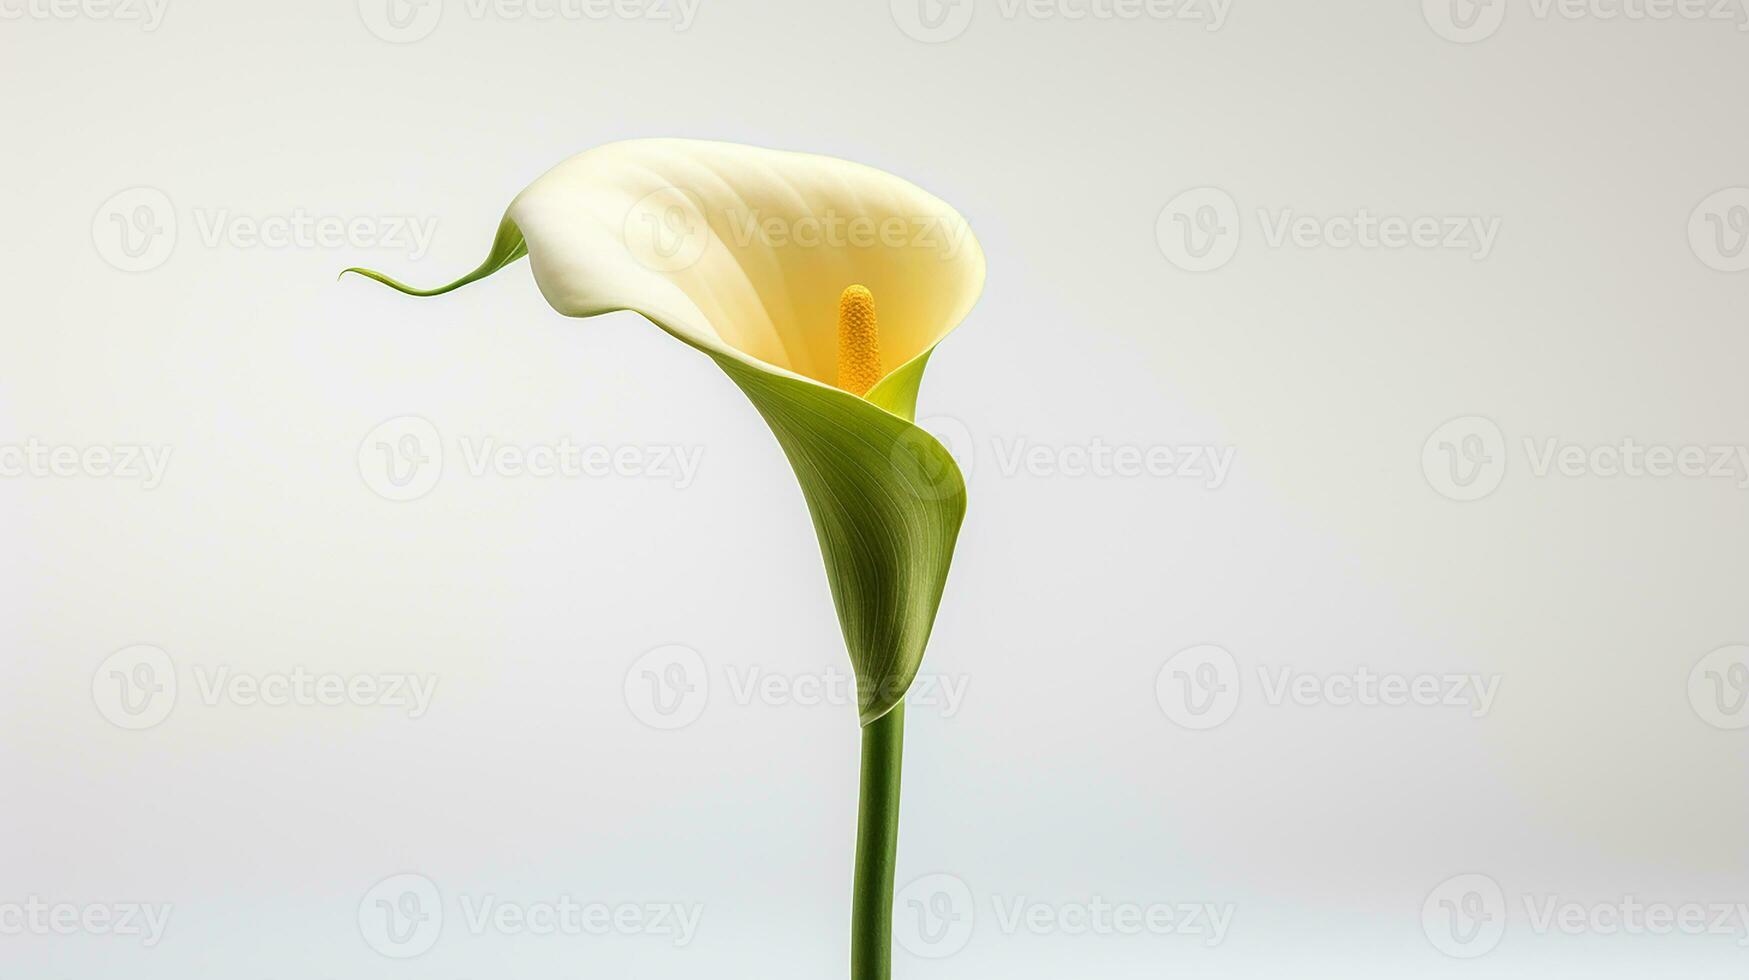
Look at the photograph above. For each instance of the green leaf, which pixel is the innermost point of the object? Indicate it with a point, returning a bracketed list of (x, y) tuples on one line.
[(507, 247), (887, 500)]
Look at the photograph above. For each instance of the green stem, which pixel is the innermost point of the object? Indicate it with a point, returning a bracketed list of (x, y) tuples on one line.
[(877, 845)]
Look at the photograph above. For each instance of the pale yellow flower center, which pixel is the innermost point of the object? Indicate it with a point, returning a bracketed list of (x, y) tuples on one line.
[(859, 346)]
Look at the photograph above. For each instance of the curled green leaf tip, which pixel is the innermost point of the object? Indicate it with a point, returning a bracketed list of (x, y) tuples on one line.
[(507, 247)]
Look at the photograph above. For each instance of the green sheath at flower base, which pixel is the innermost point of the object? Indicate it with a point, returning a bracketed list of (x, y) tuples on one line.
[(745, 253)]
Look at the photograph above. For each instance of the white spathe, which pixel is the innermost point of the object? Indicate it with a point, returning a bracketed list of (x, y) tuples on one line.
[(744, 251)]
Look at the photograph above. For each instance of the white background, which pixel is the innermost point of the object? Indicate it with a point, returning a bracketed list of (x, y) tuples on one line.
[(1070, 776)]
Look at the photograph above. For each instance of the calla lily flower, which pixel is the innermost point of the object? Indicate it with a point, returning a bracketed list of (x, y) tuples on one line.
[(821, 287), (746, 254)]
